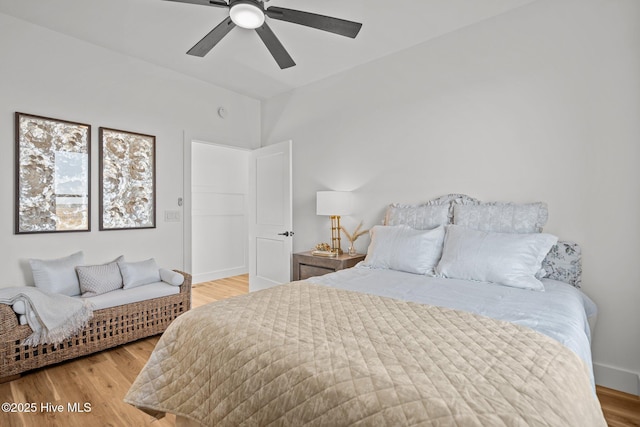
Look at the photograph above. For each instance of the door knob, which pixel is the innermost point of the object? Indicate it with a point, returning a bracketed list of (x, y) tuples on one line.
[(286, 234)]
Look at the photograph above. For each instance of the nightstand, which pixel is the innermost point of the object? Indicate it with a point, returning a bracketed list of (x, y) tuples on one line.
[(306, 265)]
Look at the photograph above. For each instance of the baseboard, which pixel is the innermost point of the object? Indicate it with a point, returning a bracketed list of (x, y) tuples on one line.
[(220, 274), (617, 379)]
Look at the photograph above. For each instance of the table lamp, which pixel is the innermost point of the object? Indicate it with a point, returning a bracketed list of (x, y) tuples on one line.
[(334, 204)]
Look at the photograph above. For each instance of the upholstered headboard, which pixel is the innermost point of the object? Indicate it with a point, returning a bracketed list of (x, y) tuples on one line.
[(562, 263)]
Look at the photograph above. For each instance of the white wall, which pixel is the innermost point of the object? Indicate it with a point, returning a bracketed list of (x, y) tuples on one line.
[(49, 74), (219, 191), (539, 104)]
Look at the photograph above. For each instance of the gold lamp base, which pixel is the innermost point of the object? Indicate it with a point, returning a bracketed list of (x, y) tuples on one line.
[(335, 234)]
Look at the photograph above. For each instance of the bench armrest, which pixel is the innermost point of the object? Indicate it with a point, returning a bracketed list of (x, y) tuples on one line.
[(186, 285)]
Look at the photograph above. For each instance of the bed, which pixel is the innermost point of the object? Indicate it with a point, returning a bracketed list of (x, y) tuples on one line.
[(450, 320)]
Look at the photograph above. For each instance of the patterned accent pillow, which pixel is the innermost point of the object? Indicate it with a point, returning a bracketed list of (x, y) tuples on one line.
[(564, 263), (99, 279), (452, 200), (502, 217), (419, 217)]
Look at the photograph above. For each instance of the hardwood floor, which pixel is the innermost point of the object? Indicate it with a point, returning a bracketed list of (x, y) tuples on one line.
[(102, 380), (620, 409), (207, 292)]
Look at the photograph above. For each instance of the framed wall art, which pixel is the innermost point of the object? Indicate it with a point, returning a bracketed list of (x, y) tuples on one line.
[(52, 175), (127, 180)]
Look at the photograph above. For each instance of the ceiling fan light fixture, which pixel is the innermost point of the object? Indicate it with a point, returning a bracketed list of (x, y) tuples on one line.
[(251, 14), (246, 14)]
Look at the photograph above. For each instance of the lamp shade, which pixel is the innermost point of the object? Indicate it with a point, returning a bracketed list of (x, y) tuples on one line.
[(333, 203)]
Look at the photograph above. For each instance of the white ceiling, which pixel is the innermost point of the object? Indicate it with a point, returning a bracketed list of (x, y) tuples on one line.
[(161, 32)]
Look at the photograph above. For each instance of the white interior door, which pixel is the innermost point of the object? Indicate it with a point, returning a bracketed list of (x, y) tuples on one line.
[(270, 216), (219, 226)]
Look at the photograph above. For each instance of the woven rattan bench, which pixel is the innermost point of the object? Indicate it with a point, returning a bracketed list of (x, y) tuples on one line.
[(108, 328)]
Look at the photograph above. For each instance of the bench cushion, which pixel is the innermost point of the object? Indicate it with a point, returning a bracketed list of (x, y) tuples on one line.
[(127, 296)]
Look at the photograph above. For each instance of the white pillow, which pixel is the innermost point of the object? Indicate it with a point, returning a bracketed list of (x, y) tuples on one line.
[(57, 276), (505, 258), (19, 307), (402, 248), (139, 273), (171, 277), (100, 279)]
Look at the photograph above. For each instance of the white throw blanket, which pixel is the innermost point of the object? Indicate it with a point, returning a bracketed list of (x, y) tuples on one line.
[(52, 317)]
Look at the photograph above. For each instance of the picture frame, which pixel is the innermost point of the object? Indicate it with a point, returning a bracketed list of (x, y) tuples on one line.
[(127, 162), (52, 175)]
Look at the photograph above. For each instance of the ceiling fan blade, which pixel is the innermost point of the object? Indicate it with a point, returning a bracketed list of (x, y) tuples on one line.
[(215, 3), (321, 22), (272, 43), (210, 40)]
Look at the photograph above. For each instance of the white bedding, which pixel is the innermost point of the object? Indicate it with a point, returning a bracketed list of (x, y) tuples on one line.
[(561, 311)]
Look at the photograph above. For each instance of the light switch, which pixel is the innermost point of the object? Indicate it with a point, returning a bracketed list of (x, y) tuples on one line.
[(171, 216)]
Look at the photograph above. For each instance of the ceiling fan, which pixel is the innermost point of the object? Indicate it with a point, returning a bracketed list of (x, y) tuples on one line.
[(251, 14)]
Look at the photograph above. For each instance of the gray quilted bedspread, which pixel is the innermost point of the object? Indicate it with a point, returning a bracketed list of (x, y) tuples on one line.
[(303, 354)]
